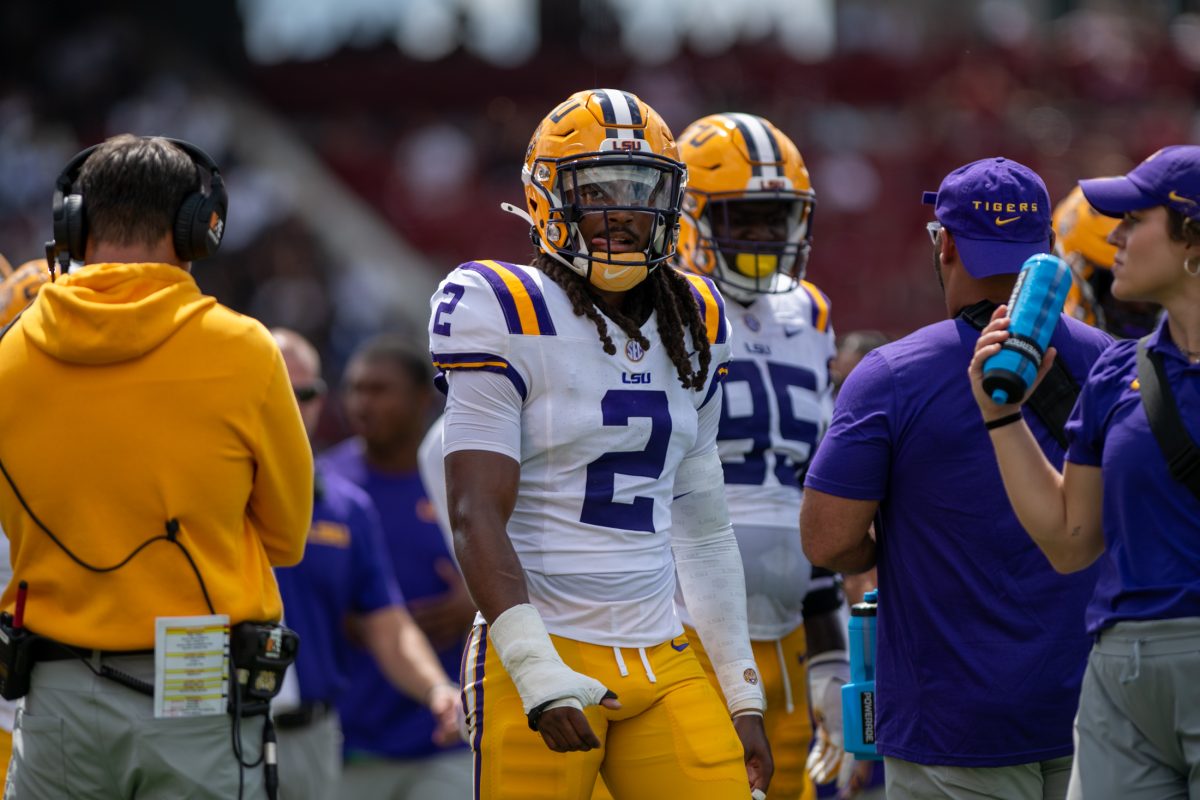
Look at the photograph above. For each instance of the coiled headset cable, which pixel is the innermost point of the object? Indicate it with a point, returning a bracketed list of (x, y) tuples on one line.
[(106, 671)]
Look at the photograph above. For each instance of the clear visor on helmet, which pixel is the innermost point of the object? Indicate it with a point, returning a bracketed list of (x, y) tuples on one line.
[(597, 186)]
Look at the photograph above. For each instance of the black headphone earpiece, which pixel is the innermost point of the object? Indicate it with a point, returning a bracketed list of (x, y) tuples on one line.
[(70, 224), (199, 223)]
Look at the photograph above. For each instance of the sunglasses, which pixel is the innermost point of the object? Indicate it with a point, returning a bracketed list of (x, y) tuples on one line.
[(934, 228), (306, 394)]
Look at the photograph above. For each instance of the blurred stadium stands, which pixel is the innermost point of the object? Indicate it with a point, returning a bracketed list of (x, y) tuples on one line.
[(367, 143)]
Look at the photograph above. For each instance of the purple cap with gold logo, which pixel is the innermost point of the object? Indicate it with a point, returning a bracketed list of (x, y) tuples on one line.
[(998, 211), (1170, 177)]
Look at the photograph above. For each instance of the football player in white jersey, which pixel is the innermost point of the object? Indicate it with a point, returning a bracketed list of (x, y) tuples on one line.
[(582, 474), (747, 224)]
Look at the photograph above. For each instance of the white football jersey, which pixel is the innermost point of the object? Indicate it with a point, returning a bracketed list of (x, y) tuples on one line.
[(778, 402), (601, 439)]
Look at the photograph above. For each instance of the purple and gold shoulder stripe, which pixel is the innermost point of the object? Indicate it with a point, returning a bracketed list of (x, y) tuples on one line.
[(820, 306), (712, 307), (520, 298)]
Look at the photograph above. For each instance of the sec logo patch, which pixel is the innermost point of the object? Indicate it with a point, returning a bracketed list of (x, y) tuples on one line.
[(750, 677), (634, 350)]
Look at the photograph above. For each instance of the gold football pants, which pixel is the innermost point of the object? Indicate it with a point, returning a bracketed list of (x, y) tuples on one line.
[(671, 738)]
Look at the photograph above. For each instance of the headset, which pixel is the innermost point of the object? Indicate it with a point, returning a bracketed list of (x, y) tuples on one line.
[(199, 223)]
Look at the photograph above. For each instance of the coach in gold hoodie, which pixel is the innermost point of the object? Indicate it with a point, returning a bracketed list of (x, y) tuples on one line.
[(143, 426)]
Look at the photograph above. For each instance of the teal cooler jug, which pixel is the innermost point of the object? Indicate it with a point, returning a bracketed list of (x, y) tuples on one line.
[(1036, 304), (858, 696)]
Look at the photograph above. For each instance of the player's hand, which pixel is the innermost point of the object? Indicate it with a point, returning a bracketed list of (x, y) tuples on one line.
[(760, 765), (565, 729), (989, 343), (828, 759), (828, 672), (445, 618), (445, 703)]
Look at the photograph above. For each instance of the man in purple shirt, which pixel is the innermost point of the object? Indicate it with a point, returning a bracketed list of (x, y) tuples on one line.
[(981, 645), (389, 744), (345, 579)]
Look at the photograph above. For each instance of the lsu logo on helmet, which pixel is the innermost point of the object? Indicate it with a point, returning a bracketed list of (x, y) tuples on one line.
[(603, 152), (734, 160)]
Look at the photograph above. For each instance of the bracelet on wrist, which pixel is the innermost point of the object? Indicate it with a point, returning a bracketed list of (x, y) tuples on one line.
[(746, 712), (992, 424)]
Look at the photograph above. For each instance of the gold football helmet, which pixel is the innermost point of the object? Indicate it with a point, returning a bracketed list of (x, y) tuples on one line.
[(1080, 229), (1081, 239), (18, 287), (606, 159), (747, 214)]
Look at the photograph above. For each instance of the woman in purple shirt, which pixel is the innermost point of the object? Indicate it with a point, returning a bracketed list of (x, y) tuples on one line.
[(1116, 500)]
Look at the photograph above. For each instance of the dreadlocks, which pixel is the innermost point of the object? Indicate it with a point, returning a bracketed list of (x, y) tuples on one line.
[(671, 297)]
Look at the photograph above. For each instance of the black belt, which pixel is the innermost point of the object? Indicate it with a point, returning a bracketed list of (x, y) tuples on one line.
[(301, 717), (57, 651)]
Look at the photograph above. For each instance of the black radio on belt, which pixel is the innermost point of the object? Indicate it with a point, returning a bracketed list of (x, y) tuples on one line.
[(16, 649), (260, 653)]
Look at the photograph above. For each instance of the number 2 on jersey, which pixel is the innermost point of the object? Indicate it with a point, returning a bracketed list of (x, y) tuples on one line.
[(442, 327), (600, 507)]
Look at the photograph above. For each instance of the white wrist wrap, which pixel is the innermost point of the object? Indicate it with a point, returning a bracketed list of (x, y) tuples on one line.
[(528, 655), (709, 567)]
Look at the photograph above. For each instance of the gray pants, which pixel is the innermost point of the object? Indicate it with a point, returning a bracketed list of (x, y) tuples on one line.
[(1138, 727), (84, 737), (310, 759), (447, 776), (1039, 780)]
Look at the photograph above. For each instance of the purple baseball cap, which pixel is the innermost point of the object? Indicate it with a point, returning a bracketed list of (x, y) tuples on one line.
[(1170, 177), (999, 213)]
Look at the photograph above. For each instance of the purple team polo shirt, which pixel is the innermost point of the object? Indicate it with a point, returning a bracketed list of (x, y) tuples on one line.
[(981, 644), (376, 719), (346, 569), (1151, 566)]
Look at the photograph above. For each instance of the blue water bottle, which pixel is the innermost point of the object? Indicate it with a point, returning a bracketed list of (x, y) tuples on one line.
[(858, 696), (1036, 304)]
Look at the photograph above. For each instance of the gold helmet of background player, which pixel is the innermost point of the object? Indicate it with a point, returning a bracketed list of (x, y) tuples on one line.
[(603, 151), (1079, 228), (1081, 238), (735, 159), (20, 286)]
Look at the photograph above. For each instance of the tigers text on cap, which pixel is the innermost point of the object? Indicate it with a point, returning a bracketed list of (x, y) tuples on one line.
[(1170, 177), (998, 211)]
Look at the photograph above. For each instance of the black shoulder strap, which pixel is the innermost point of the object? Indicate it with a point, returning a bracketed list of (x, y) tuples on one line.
[(1055, 396), (1181, 453)]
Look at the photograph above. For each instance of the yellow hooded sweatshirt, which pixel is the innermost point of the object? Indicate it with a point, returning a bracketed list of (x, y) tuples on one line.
[(128, 399)]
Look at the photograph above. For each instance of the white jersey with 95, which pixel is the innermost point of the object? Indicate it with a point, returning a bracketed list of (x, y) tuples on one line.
[(600, 439), (777, 404)]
